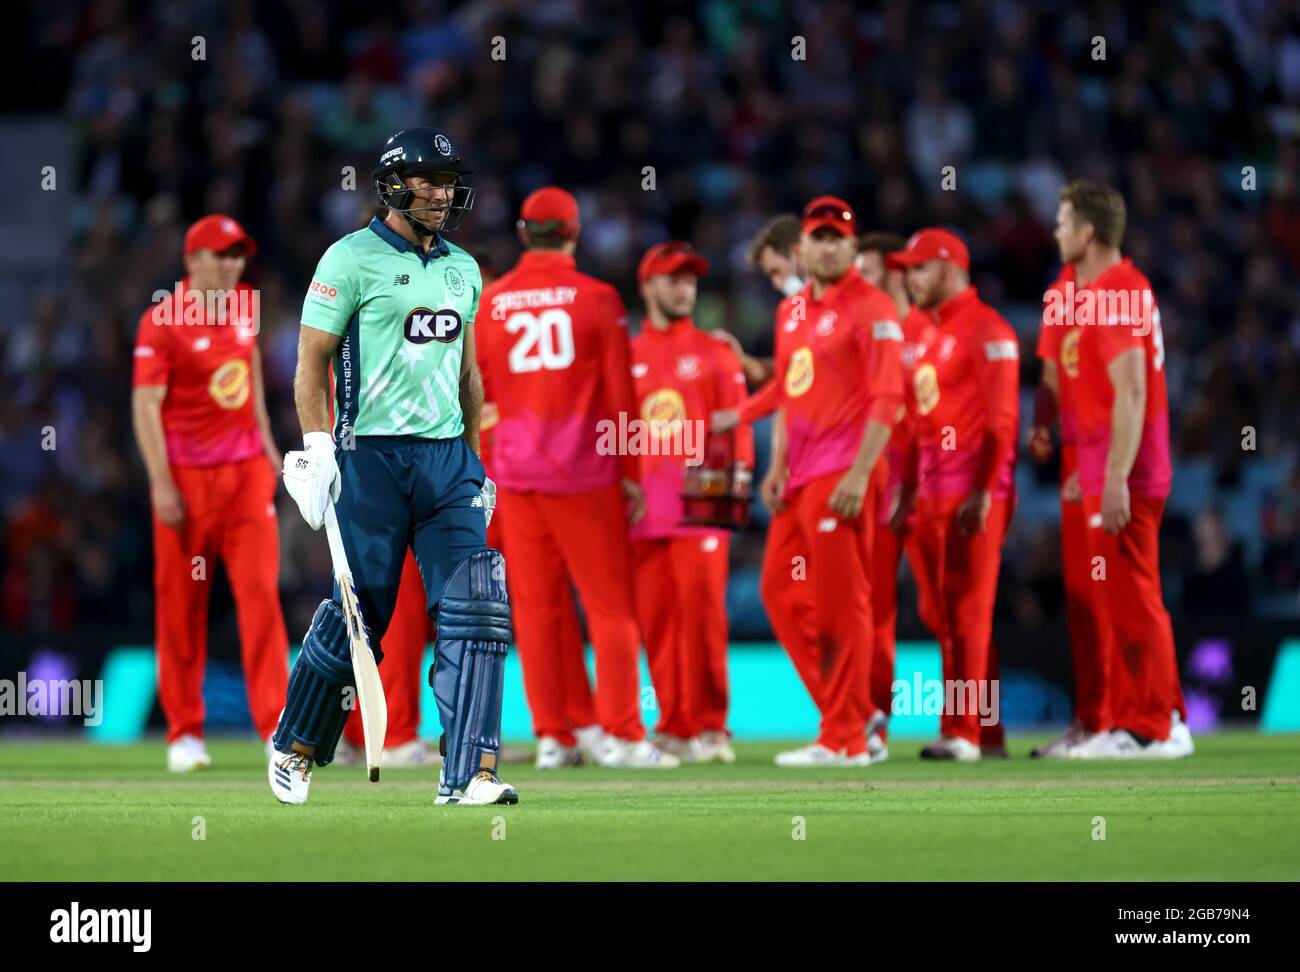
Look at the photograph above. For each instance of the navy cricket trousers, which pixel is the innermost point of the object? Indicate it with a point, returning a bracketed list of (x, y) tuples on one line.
[(401, 492)]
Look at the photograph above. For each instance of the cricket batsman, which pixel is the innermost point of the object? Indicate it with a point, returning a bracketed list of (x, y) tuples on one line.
[(683, 376), (391, 308), (1125, 473), (201, 424), (961, 477), (838, 360)]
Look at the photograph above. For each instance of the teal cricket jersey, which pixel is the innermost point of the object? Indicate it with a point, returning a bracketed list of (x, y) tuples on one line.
[(402, 316)]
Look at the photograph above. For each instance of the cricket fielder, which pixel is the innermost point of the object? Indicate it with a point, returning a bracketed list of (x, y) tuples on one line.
[(961, 478), (570, 647), (555, 352), (392, 309), (838, 361), (890, 544), (201, 423), (683, 376), (1090, 648), (776, 250), (1125, 473)]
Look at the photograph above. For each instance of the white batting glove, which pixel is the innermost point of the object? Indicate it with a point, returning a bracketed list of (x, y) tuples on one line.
[(489, 495), (312, 477)]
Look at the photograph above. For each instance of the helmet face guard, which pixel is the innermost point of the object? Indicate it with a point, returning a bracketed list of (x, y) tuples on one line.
[(393, 192)]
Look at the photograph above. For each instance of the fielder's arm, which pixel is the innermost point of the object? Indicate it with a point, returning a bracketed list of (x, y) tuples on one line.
[(260, 413), (471, 391), (311, 378), (146, 419), (1129, 377)]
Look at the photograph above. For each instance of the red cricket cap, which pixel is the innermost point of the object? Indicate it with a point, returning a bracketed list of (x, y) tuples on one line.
[(217, 232), (829, 211), (550, 211), (669, 258), (930, 244)]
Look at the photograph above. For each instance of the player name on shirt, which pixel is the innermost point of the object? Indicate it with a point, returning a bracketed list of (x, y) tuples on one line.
[(521, 299)]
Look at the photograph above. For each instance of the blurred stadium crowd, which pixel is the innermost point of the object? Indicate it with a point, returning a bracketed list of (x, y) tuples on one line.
[(586, 95)]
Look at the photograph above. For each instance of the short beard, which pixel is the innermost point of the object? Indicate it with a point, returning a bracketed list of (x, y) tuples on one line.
[(665, 311)]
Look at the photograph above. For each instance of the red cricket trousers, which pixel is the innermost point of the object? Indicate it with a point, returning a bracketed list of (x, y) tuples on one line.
[(408, 635), (1144, 683), (681, 594), (887, 552), (401, 671), (964, 576), (230, 515), (1090, 636), (816, 586), (552, 541)]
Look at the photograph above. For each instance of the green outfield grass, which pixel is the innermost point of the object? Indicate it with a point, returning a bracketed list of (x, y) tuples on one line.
[(72, 811)]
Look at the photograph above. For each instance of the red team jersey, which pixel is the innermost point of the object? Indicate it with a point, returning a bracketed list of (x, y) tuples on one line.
[(553, 350), (1058, 341), (965, 396), (840, 365), (1126, 317), (207, 367), (682, 375), (918, 332)]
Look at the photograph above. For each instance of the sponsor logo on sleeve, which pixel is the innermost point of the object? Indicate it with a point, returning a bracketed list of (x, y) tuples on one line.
[(1001, 350), (323, 292), (886, 331)]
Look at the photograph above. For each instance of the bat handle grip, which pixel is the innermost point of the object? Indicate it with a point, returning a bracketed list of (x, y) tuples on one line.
[(335, 538)]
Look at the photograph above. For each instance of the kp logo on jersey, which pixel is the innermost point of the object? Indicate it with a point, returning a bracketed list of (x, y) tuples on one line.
[(424, 325)]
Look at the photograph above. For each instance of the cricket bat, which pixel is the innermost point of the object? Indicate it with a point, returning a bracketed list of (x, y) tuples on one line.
[(370, 690)]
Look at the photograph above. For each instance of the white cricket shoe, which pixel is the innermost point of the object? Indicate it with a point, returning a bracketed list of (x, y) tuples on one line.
[(809, 756), (1179, 744), (483, 789), (622, 754), (954, 748), (683, 748), (346, 754), (713, 747), (1104, 745), (290, 776), (553, 754), (1121, 744), (591, 743), (876, 746), (412, 755), (1060, 747), (187, 754)]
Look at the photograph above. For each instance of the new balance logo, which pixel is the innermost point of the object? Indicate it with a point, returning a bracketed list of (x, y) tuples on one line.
[(401, 280)]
